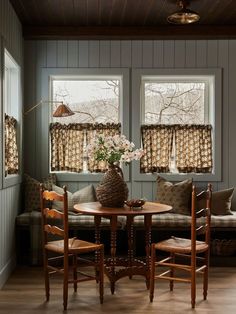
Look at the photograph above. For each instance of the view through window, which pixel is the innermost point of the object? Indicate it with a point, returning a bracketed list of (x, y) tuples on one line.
[(176, 131), (92, 100)]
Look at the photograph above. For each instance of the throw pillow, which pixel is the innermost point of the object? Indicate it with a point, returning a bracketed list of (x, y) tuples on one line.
[(32, 191), (177, 195), (221, 202), (85, 195)]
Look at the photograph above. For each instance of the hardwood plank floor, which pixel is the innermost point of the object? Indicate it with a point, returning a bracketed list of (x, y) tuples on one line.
[(24, 293)]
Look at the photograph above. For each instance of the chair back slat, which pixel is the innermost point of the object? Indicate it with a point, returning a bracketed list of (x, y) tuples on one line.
[(54, 222), (53, 213), (52, 196), (200, 224), (54, 230)]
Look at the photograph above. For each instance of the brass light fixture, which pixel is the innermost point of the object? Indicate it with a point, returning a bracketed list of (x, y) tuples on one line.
[(184, 15), (61, 111)]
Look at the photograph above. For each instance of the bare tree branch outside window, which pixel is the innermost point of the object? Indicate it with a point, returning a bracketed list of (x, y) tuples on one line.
[(174, 103)]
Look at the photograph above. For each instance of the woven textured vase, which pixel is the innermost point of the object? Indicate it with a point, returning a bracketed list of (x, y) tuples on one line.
[(112, 190)]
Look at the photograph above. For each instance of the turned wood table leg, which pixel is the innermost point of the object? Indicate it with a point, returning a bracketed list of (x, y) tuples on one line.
[(130, 233), (148, 224), (113, 251), (97, 222)]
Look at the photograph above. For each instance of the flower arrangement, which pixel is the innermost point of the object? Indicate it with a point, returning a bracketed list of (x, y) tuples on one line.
[(113, 149)]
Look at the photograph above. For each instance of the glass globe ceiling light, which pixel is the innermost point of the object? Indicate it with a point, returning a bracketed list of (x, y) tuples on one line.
[(184, 15)]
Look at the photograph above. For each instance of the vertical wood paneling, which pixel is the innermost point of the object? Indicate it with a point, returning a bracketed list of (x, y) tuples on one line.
[(180, 51), (137, 52), (126, 54), (169, 53), (158, 54), (147, 54), (201, 53), (105, 54), (83, 54), (190, 53), (212, 53), (115, 54), (232, 114), (223, 62), (73, 54), (51, 53), (11, 32), (94, 54), (30, 96), (62, 54)]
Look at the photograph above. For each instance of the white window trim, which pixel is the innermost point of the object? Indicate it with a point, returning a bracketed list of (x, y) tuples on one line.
[(47, 74), (215, 119), (12, 179)]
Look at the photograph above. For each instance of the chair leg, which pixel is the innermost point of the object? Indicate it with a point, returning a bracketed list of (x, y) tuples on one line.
[(65, 282), (172, 272), (152, 271), (75, 272), (101, 274), (193, 288), (46, 275), (205, 276)]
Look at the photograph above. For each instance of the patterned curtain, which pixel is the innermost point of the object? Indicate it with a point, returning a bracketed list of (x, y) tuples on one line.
[(11, 150), (67, 147), (193, 144), (108, 129), (157, 145)]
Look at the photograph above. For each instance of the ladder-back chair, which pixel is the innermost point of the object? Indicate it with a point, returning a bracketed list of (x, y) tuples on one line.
[(195, 251), (62, 255)]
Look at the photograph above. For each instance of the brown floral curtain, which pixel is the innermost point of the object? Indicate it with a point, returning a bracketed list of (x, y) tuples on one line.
[(108, 129), (11, 150), (157, 145), (67, 147), (193, 144)]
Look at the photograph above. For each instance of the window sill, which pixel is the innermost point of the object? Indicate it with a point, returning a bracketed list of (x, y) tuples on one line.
[(197, 177)]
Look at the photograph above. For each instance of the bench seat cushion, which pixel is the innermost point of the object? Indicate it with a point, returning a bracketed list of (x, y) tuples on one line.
[(172, 220)]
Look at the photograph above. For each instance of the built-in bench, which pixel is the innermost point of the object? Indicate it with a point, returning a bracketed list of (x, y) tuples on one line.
[(28, 232)]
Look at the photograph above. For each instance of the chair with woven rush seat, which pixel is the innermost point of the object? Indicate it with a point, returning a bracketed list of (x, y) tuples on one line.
[(65, 249), (196, 252)]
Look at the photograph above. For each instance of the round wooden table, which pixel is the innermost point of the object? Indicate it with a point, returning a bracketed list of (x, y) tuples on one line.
[(127, 266)]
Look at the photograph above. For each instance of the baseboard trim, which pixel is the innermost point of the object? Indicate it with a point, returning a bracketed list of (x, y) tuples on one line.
[(6, 271)]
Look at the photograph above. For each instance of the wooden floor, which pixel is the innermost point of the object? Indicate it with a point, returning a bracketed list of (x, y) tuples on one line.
[(24, 293)]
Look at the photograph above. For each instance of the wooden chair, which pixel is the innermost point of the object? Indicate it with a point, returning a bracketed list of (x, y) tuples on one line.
[(66, 250), (195, 251)]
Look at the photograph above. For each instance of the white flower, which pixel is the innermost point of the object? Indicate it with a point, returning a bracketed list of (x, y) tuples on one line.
[(113, 149)]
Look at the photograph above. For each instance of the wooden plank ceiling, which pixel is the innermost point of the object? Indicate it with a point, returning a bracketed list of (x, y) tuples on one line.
[(123, 19)]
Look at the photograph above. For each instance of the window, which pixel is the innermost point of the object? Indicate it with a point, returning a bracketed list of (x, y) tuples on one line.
[(12, 105), (99, 99), (96, 104), (178, 113)]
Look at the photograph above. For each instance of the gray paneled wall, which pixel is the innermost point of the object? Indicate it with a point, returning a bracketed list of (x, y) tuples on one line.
[(133, 54), (11, 35)]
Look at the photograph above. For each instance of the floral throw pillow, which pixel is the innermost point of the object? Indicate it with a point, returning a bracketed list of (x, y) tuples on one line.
[(177, 195), (32, 191)]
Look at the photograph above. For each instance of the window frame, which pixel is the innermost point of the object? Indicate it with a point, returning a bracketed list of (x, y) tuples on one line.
[(46, 92), (215, 104), (12, 179)]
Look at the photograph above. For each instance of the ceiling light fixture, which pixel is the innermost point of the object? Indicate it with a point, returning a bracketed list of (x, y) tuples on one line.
[(184, 15)]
